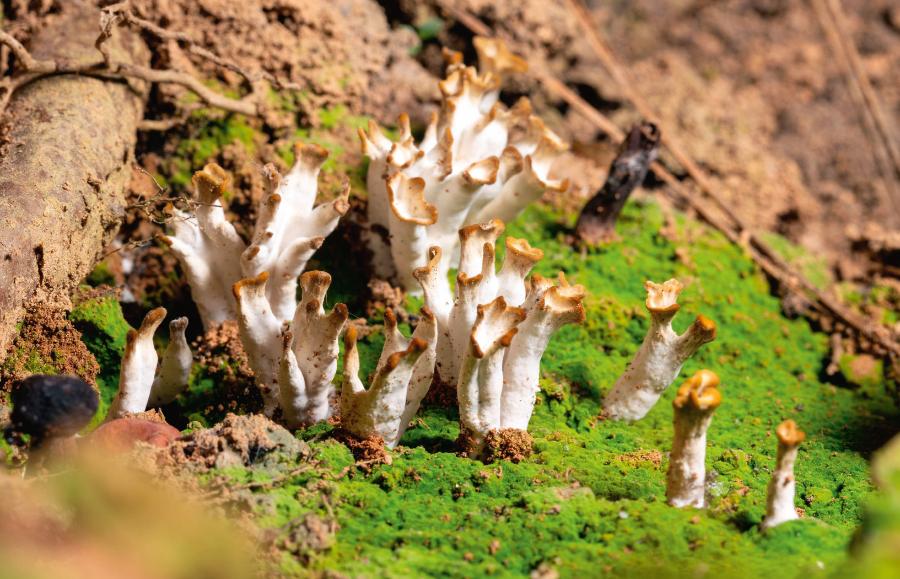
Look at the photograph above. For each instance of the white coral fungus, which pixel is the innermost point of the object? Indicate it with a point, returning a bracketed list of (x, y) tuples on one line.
[(694, 405), (780, 499), (294, 363), (477, 161), (139, 385), (289, 229), (660, 357)]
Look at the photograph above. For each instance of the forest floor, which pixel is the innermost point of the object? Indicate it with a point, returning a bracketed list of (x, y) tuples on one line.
[(779, 134)]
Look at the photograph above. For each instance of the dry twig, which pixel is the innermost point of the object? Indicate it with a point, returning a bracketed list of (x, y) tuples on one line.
[(120, 14), (887, 155)]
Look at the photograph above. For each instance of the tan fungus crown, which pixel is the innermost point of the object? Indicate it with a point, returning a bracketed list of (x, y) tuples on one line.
[(701, 391), (788, 433), (662, 297)]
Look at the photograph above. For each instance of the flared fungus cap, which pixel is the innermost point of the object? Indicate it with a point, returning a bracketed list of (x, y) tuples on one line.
[(700, 391), (407, 200), (663, 297), (565, 300), (256, 283), (496, 58), (495, 327), (788, 433), (210, 183)]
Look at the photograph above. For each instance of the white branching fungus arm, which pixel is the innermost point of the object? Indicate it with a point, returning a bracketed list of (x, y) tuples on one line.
[(660, 357), (289, 229), (477, 161), (260, 333), (480, 387), (547, 309), (379, 410), (138, 368), (780, 500), (175, 367), (306, 370), (315, 350), (694, 405), (208, 247)]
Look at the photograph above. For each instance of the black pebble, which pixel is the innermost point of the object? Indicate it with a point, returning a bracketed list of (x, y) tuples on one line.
[(52, 406)]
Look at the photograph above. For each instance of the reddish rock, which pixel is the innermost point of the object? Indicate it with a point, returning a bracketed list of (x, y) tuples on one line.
[(121, 434)]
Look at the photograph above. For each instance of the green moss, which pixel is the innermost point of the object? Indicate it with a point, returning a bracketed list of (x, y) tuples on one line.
[(590, 500), (212, 137), (814, 268), (101, 275), (103, 330)]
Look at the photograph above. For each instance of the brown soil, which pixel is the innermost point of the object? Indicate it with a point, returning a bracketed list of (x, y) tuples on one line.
[(48, 343), (220, 352), (237, 440), (509, 444), (368, 452), (338, 52)]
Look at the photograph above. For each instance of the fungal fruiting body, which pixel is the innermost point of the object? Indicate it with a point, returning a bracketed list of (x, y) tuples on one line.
[(660, 357), (480, 387), (139, 384), (175, 367), (289, 229), (477, 161), (694, 405), (493, 328), (402, 377), (294, 363), (780, 500)]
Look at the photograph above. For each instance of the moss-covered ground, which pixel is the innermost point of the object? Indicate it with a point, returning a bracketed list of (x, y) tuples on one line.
[(590, 501)]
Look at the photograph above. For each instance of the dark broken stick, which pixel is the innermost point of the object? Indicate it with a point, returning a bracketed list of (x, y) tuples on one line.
[(597, 221)]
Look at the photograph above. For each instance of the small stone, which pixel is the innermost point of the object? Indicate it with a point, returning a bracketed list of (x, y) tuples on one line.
[(121, 434), (52, 406)]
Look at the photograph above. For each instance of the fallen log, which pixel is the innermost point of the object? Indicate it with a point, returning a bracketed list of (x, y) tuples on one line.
[(65, 161)]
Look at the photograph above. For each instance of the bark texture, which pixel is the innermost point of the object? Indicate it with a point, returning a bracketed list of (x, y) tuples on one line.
[(64, 167)]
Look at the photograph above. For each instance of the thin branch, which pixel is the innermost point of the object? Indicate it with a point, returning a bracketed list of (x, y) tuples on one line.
[(107, 68), (831, 18)]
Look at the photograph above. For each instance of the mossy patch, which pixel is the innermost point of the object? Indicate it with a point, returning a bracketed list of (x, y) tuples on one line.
[(590, 499), (98, 316)]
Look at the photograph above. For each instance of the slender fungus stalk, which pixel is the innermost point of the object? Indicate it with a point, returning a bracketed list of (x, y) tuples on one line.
[(138, 368), (175, 368), (695, 403), (780, 501), (660, 357), (597, 221)]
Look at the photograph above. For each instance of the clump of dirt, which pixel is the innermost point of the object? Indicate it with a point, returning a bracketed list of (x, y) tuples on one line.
[(338, 52), (237, 440), (221, 355), (509, 444), (306, 536), (48, 343), (383, 296), (368, 452)]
